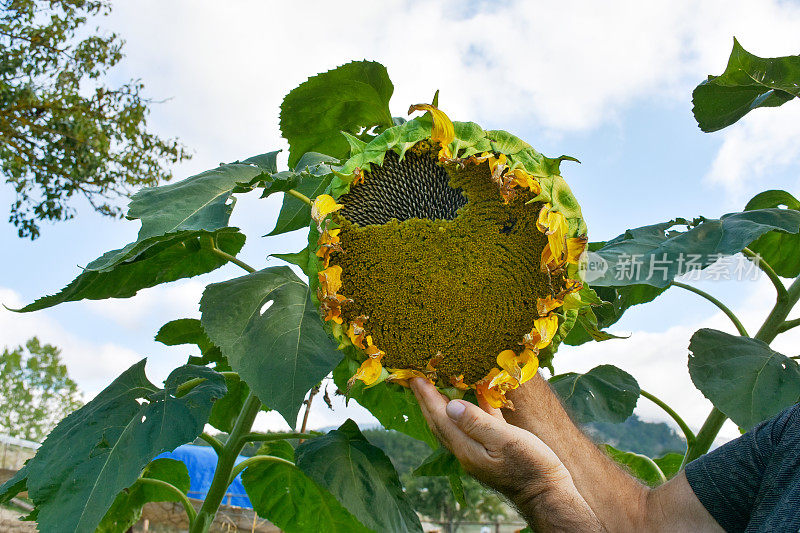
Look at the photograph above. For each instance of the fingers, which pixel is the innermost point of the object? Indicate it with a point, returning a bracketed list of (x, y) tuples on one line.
[(434, 408), (494, 411), (459, 421)]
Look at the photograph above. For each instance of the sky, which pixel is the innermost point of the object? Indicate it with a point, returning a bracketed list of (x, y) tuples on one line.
[(609, 83)]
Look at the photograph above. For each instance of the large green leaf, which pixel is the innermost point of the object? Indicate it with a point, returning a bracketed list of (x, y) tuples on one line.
[(201, 202), (394, 406), (360, 476), (349, 98), (180, 222), (742, 377), (15, 485), (780, 250), (190, 331), (749, 82), (141, 264), (603, 394), (639, 465), (291, 500), (655, 255), (616, 300), (103, 447), (295, 213), (443, 463), (127, 507), (670, 464), (270, 331)]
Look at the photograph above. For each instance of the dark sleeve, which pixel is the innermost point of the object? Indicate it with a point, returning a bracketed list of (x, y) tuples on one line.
[(727, 480)]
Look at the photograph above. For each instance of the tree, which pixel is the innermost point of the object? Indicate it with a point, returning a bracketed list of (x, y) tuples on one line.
[(63, 132), (35, 390)]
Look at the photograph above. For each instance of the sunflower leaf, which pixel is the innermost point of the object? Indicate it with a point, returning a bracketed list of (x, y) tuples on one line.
[(443, 463), (670, 464), (317, 175), (780, 250), (103, 447), (290, 499), (604, 394), (361, 477), (394, 406), (655, 255), (742, 377), (268, 328), (127, 507), (641, 466), (749, 82), (141, 264), (349, 98)]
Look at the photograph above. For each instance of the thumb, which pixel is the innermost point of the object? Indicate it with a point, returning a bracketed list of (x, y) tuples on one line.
[(478, 424)]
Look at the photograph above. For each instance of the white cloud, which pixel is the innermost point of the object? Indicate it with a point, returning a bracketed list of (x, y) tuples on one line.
[(756, 151), (91, 364), (569, 66), (173, 300)]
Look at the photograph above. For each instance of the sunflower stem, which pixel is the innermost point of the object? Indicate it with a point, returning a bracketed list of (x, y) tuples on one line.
[(256, 459), (788, 324), (269, 437), (705, 437), (213, 442), (300, 196), (226, 464), (232, 259), (187, 504), (736, 322), (768, 270), (687, 432)]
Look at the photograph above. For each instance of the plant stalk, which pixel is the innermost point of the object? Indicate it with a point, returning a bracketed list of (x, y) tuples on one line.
[(767, 269), (213, 442), (269, 437), (789, 324), (687, 432), (722, 307), (256, 459), (705, 437), (225, 465), (191, 513), (232, 259), (300, 196)]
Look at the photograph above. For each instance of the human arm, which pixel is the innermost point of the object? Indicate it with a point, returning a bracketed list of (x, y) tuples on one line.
[(556, 476)]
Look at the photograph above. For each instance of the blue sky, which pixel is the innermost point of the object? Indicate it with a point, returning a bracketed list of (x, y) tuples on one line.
[(609, 85)]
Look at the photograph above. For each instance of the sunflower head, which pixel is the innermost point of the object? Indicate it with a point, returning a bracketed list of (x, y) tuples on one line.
[(448, 252)]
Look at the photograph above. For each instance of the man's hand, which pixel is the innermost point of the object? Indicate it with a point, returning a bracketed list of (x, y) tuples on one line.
[(508, 459)]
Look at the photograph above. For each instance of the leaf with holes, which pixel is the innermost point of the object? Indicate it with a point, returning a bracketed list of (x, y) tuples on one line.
[(603, 394), (271, 333), (103, 447), (742, 377)]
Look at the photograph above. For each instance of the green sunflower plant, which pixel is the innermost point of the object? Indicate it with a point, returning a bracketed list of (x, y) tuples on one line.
[(435, 249)]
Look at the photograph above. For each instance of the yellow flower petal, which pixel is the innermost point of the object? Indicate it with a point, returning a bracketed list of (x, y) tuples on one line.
[(368, 372), (554, 225), (458, 382), (546, 328), (530, 366), (330, 280), (443, 130), (402, 375), (545, 305), (323, 206), (328, 243), (357, 333), (576, 246), (507, 360), (331, 306), (494, 396)]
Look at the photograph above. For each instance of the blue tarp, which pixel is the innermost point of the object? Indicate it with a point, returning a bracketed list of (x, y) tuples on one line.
[(201, 461)]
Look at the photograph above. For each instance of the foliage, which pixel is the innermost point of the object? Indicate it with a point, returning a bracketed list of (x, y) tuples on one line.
[(749, 82), (635, 435), (63, 132), (35, 390), (268, 346)]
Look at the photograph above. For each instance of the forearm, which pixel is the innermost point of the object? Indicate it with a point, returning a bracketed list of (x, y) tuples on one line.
[(618, 500)]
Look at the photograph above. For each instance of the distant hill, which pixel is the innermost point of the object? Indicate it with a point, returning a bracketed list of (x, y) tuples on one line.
[(635, 435)]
